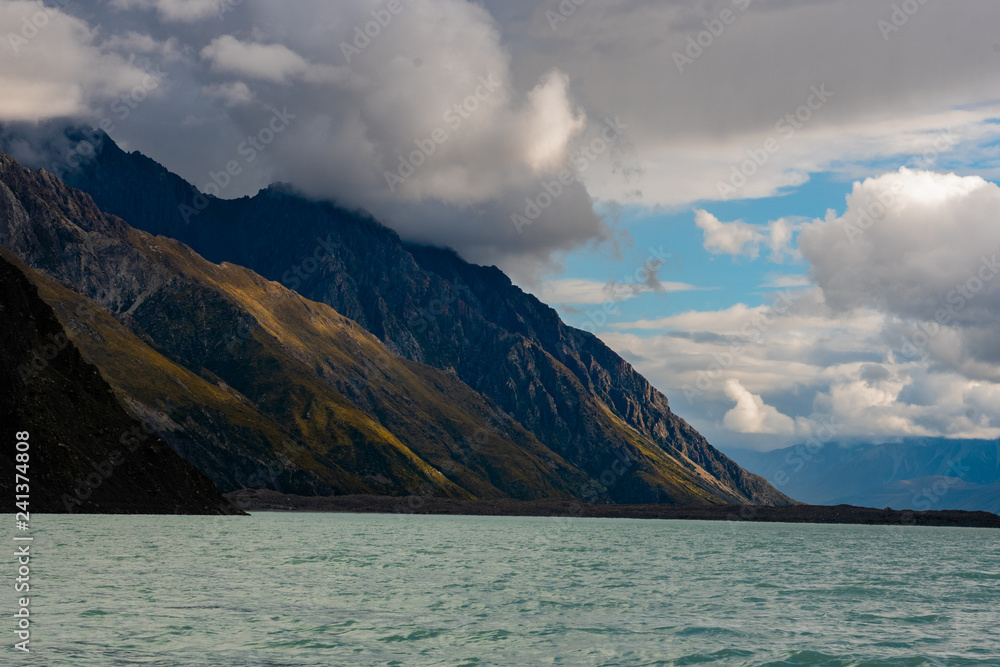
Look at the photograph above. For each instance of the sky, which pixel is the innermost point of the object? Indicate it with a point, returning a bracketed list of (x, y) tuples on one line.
[(784, 213)]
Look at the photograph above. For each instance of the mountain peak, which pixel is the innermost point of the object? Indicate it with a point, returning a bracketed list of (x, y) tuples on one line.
[(579, 399)]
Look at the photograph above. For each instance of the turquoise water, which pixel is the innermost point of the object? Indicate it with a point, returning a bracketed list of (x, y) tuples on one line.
[(340, 589)]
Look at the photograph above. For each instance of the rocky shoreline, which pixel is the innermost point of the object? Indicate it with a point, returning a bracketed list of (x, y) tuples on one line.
[(251, 500)]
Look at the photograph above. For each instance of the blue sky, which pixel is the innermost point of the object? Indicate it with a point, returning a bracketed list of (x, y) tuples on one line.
[(722, 280)]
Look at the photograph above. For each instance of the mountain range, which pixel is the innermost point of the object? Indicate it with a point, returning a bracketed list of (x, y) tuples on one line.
[(283, 343), (913, 474)]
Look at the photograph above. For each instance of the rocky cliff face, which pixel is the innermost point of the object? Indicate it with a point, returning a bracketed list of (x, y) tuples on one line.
[(85, 453), (252, 382), (578, 397)]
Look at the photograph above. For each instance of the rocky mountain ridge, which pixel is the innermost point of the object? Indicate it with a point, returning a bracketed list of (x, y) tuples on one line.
[(579, 419)]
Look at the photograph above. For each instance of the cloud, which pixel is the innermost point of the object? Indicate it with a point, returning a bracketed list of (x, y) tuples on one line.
[(752, 415), (787, 281), (52, 67), (906, 242), (814, 365), (555, 122), (729, 238), (741, 239), (584, 291), (921, 247), (271, 62), (133, 42), (231, 93), (890, 100), (175, 10)]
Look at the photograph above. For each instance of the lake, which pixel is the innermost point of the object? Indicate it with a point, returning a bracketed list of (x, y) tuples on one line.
[(351, 589)]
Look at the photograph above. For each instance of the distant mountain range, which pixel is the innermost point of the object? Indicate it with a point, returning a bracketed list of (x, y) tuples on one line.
[(915, 474), (322, 355)]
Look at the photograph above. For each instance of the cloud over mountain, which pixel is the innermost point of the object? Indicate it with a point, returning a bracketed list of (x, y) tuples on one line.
[(392, 114)]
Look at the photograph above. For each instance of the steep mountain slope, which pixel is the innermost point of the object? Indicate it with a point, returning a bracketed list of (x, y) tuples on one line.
[(85, 454), (236, 354), (579, 398), (917, 474)]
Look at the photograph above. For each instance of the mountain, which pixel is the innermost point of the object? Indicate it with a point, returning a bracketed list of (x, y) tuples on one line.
[(915, 474), (579, 399), (250, 381), (84, 453)]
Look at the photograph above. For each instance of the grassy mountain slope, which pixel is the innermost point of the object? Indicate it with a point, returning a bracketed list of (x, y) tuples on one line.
[(85, 453)]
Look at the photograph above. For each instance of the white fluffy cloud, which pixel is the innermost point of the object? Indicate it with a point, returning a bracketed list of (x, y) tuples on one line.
[(908, 243), (52, 67), (921, 247), (582, 291), (752, 415), (742, 239), (756, 377), (272, 62)]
